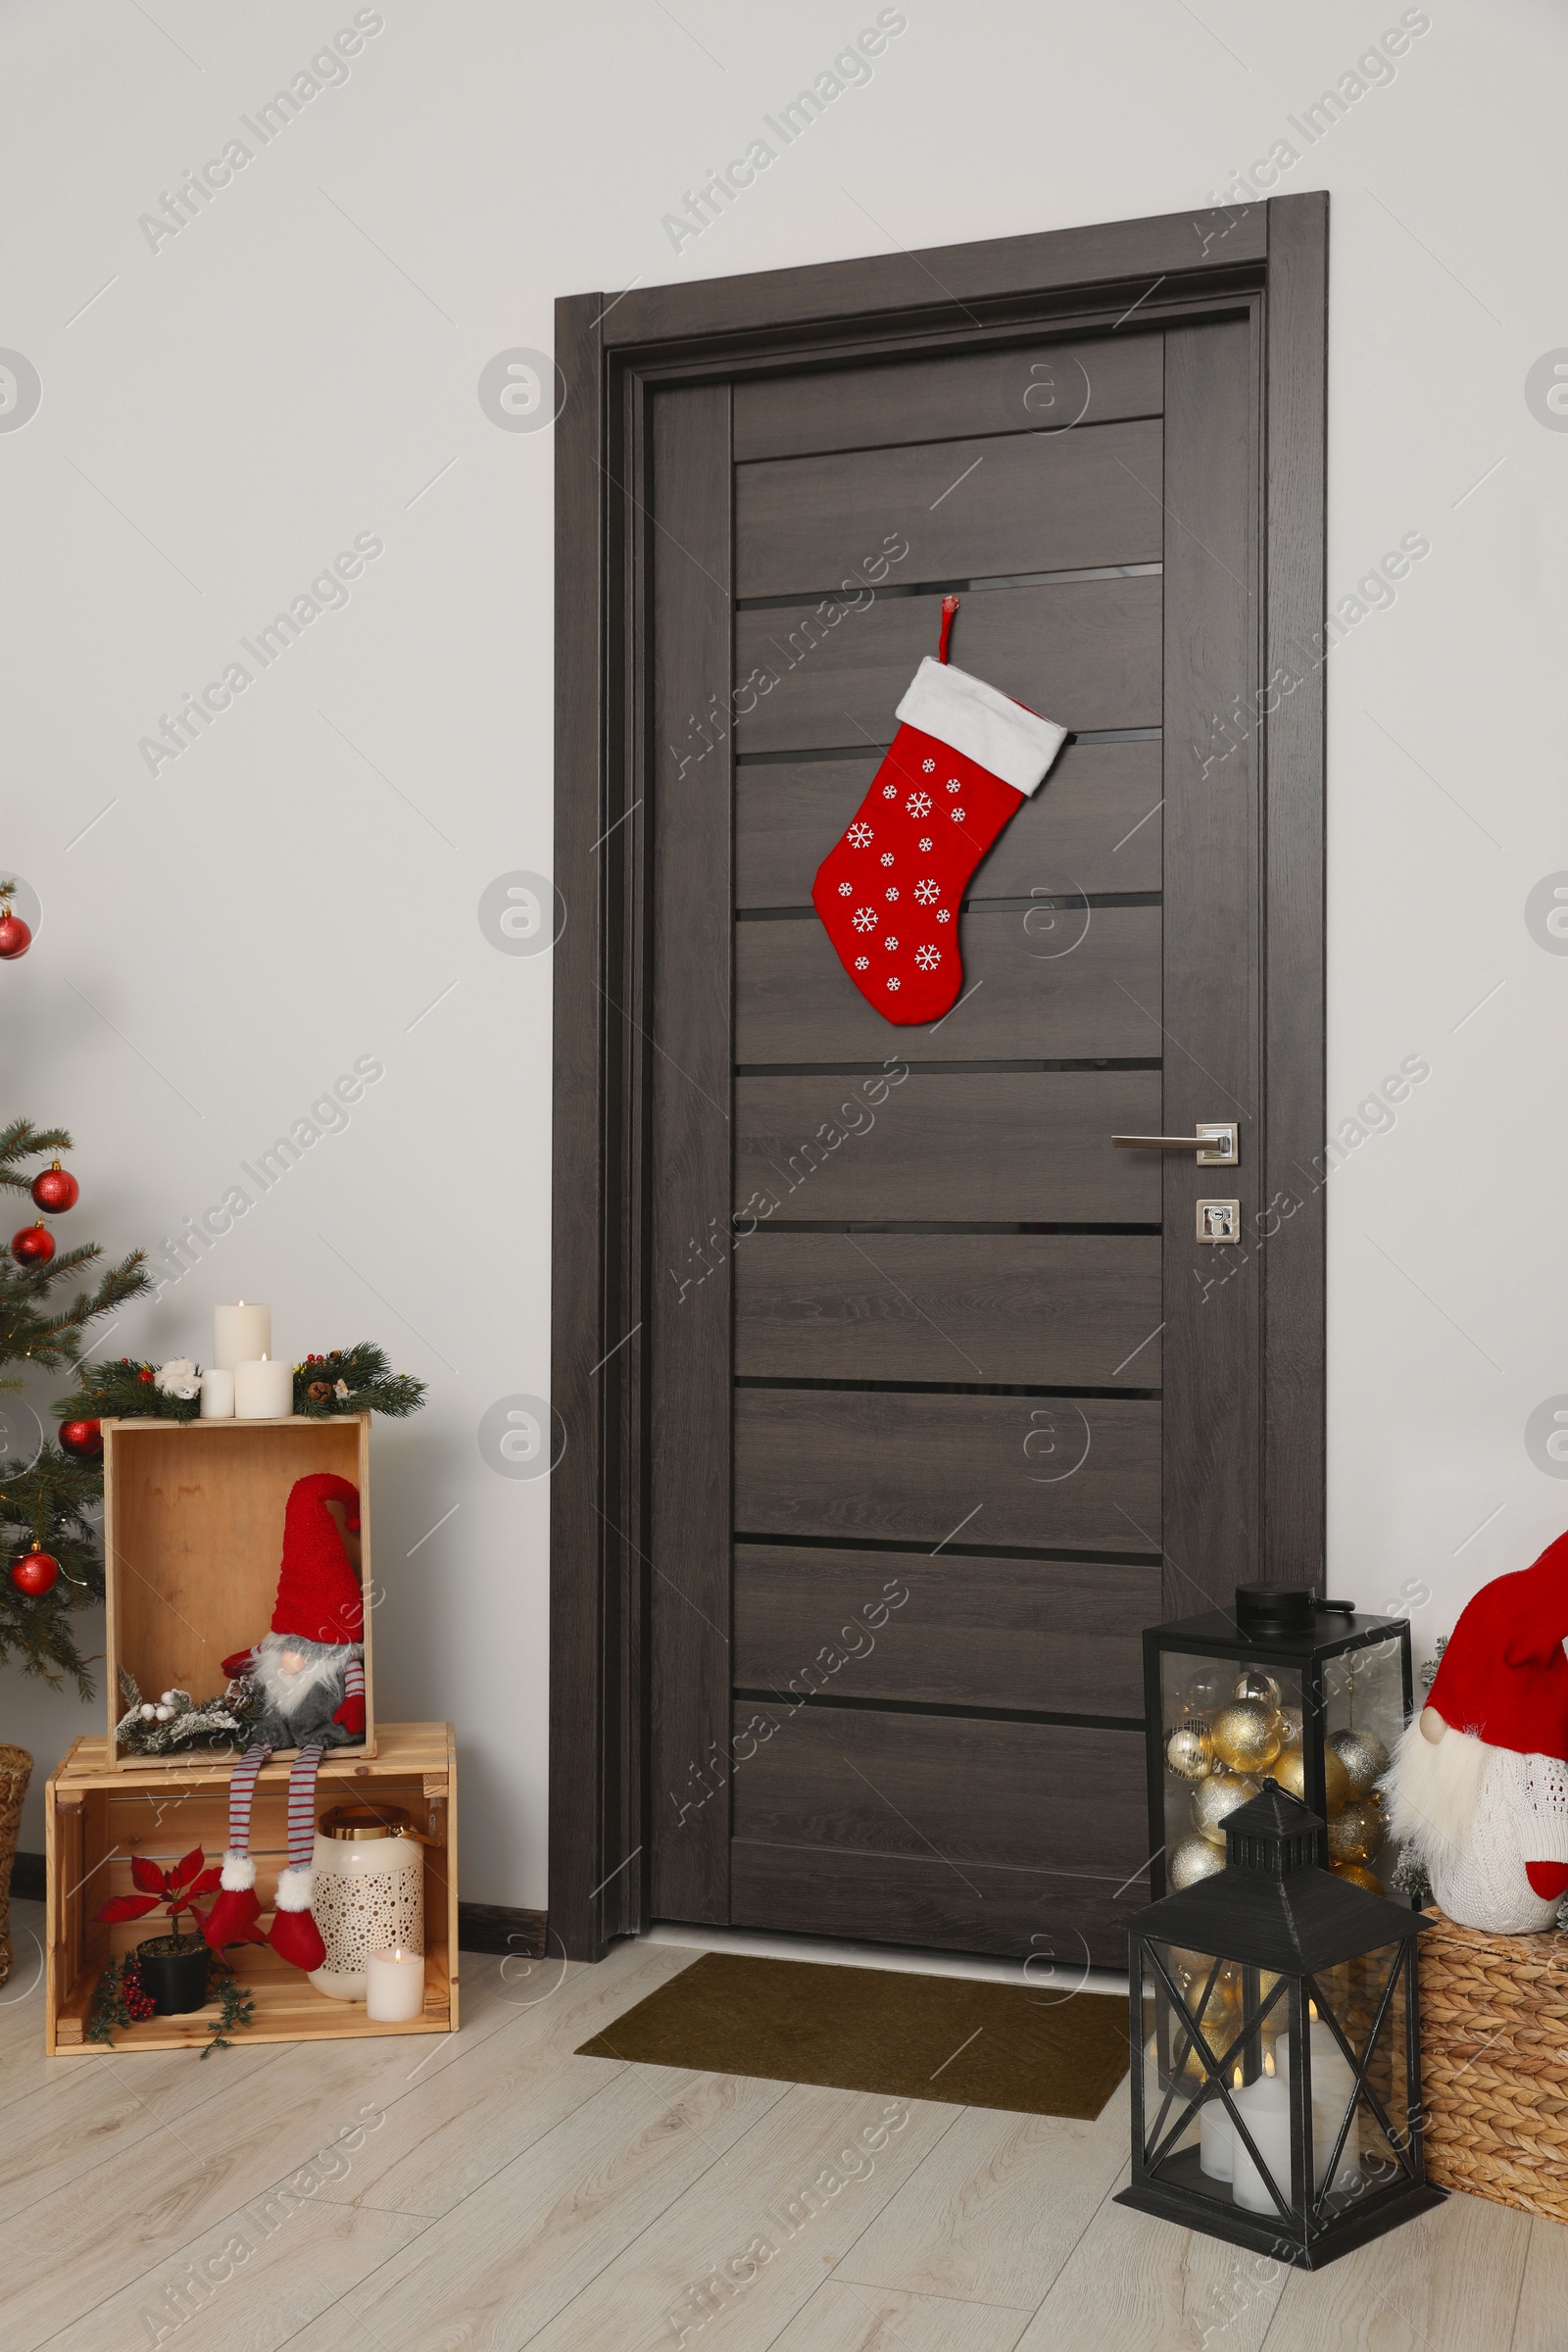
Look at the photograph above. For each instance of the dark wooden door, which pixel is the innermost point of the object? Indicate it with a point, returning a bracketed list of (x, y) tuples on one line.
[(946, 1398)]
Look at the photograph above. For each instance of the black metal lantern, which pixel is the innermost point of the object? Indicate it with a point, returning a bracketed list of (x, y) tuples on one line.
[(1302, 1689), (1276, 2082)]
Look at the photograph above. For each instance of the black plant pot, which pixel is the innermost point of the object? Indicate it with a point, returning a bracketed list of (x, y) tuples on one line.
[(174, 1971)]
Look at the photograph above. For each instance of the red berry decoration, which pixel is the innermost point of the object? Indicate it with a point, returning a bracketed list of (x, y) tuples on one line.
[(15, 937), (34, 1573), (56, 1189), (33, 1246), (84, 1438)]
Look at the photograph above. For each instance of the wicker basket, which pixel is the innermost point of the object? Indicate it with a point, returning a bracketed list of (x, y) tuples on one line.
[(16, 1771), (1495, 2065)]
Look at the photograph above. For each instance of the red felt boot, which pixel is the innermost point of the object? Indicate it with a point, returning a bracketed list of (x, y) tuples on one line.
[(295, 1936), (234, 1910), (963, 762)]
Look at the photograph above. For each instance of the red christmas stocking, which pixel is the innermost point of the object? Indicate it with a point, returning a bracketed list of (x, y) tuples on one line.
[(963, 760)]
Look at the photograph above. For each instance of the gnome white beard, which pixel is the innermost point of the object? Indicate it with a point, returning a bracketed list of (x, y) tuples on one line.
[(1476, 1814), (286, 1690)]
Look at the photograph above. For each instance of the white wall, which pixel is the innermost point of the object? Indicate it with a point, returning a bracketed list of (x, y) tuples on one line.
[(234, 407)]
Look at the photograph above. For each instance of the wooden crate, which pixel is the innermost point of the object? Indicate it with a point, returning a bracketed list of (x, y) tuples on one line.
[(193, 1537), (1495, 2065), (98, 1814)]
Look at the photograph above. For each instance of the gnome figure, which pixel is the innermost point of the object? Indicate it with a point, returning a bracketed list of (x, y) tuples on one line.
[(1479, 1784), (312, 1673)]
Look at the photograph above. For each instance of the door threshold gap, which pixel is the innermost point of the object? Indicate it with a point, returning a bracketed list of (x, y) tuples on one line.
[(895, 1959)]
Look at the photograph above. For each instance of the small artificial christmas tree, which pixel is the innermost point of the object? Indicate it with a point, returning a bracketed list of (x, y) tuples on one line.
[(45, 1504)]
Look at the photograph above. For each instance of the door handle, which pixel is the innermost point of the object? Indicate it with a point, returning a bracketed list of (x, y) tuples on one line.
[(1215, 1145)]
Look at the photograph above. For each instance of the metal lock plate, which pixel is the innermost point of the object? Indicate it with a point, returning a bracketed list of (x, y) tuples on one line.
[(1220, 1220)]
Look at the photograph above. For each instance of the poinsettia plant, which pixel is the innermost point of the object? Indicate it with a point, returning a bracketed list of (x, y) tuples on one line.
[(174, 1889)]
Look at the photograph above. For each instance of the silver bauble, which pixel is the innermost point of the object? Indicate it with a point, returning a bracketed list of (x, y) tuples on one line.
[(1193, 1859), (1217, 1797), (1258, 1684), (1364, 1757), (1189, 1750)]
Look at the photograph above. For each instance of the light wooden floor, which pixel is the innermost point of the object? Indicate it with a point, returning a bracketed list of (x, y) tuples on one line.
[(493, 2191)]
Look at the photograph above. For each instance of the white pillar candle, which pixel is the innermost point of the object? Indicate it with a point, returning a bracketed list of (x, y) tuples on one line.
[(1216, 2138), (394, 1987), (264, 1390), (217, 1395), (1333, 2087), (1264, 2106), (240, 1335)]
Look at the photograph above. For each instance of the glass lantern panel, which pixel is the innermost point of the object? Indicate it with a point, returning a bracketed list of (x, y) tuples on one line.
[(1188, 2135), (1223, 1725), (1377, 2144), (1363, 1716)]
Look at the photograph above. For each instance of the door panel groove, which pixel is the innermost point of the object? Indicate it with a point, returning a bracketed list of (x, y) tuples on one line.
[(968, 1550), (835, 594), (1043, 903), (943, 1069), (932, 1225), (938, 1388), (907, 1706)]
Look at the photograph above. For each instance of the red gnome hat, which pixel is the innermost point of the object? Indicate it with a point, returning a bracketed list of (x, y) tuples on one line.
[(1503, 1675), (318, 1596)]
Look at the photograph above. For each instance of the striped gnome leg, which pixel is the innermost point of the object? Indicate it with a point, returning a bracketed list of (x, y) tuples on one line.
[(235, 1910), (295, 1936)]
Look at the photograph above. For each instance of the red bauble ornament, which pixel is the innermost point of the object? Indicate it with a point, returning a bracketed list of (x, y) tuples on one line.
[(56, 1189), (34, 1573), (33, 1246), (84, 1438), (15, 937)]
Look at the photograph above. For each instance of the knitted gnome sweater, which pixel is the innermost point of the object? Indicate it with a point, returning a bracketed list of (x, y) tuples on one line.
[(1474, 1815)]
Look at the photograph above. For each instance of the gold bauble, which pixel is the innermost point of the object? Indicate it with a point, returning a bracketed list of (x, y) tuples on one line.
[(1357, 1874), (1246, 1735), (1190, 1749), (1355, 1831), (1193, 1859), (1364, 1757), (1289, 1726), (1216, 1798), (1256, 1683), (1290, 1770)]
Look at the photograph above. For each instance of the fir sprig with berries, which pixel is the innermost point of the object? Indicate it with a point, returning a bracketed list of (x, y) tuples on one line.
[(354, 1380), (127, 1390), (48, 1542)]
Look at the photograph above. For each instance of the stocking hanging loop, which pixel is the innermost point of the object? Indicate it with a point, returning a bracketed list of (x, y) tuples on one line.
[(950, 605)]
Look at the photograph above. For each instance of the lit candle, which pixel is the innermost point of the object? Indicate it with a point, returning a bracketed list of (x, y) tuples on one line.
[(1216, 2138), (264, 1390), (394, 1990), (1264, 2106), (241, 1334), (217, 1395)]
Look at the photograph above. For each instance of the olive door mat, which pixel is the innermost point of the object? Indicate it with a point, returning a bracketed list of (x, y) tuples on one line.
[(973, 2045)]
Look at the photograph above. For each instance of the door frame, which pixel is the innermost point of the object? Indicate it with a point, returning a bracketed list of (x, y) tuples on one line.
[(1269, 259)]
